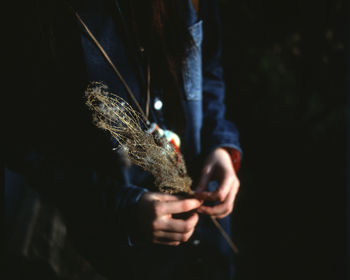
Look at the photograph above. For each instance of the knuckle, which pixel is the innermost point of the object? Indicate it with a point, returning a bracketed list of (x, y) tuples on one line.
[(237, 183), (206, 170), (222, 215), (227, 209), (155, 225), (195, 219), (231, 177), (184, 237), (157, 208), (187, 205), (188, 236), (221, 196), (228, 212), (188, 227)]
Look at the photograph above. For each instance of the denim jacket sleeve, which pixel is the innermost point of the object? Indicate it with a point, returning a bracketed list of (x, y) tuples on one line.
[(216, 131), (87, 199), (57, 150)]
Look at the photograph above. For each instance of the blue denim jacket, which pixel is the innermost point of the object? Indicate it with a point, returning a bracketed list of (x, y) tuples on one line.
[(203, 86), (61, 157), (59, 152)]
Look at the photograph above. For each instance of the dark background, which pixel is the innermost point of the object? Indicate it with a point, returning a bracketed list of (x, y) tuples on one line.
[(285, 68)]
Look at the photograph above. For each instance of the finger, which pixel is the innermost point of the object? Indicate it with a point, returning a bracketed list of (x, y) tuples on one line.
[(179, 226), (172, 236), (219, 210), (223, 209), (177, 206), (204, 180), (204, 196), (167, 242), (170, 197), (166, 197), (222, 191)]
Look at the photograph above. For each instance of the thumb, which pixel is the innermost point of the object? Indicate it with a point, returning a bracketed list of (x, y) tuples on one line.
[(205, 178)]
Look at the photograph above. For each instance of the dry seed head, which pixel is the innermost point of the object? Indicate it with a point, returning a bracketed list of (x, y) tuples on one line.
[(152, 153)]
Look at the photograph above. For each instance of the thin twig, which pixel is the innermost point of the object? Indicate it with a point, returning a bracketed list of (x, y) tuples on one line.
[(225, 235)]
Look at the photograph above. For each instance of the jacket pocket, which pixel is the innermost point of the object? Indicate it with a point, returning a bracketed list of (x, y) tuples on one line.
[(192, 68)]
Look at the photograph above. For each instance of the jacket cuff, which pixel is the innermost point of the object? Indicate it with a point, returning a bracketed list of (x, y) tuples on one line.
[(235, 157), (231, 144), (126, 201)]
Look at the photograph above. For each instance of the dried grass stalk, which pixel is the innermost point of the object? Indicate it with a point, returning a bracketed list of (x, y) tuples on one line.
[(150, 151)]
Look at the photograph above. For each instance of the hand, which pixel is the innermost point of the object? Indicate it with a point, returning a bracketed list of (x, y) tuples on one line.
[(218, 167), (156, 222)]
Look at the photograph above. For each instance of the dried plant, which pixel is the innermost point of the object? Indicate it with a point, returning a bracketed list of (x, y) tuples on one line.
[(150, 151)]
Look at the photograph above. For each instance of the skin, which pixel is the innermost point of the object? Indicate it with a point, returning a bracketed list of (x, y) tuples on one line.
[(157, 223), (219, 167), (156, 210)]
